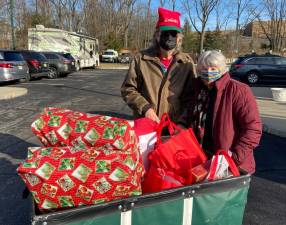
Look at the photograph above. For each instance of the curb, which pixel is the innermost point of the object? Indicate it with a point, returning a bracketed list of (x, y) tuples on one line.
[(11, 92), (113, 68), (270, 130)]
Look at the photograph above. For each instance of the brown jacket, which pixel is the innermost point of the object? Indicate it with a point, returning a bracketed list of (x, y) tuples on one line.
[(146, 86)]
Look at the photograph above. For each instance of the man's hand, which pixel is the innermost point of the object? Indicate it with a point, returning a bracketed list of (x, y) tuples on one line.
[(151, 114)]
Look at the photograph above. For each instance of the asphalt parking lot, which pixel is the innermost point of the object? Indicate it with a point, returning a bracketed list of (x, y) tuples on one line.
[(97, 91)]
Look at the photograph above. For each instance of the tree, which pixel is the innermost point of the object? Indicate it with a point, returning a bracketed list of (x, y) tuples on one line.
[(200, 10), (274, 28), (190, 41), (112, 42), (129, 11), (173, 4), (241, 7), (162, 3), (214, 40), (223, 13)]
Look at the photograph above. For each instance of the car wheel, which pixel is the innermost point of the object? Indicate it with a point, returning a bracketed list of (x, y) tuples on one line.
[(53, 73), (252, 77)]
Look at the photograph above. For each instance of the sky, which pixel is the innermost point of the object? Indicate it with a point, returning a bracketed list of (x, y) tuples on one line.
[(184, 15), (224, 11)]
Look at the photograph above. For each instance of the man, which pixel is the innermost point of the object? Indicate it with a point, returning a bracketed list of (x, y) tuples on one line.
[(223, 112), (157, 76)]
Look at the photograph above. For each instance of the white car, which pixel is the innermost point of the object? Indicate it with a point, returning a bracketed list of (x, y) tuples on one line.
[(110, 55)]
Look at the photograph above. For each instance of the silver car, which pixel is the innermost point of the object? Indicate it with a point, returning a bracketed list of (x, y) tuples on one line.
[(12, 66)]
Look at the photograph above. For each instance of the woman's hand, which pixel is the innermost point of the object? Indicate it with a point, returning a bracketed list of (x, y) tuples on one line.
[(151, 114)]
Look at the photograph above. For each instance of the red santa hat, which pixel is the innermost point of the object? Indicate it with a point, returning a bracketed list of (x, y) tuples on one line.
[(169, 20)]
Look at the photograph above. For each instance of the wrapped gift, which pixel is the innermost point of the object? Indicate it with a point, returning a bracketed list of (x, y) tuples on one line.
[(59, 177), (199, 173), (57, 127)]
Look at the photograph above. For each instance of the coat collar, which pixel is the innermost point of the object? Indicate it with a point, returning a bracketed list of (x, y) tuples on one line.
[(222, 82), (152, 54)]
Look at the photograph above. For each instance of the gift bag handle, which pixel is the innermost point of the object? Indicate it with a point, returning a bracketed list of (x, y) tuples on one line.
[(232, 166), (166, 122)]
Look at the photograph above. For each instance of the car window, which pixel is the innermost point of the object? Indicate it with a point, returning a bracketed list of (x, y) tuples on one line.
[(51, 56), (238, 60), (30, 55), (1, 56), (67, 56), (108, 53), (36, 55), (250, 61), (280, 61), (261, 60), (13, 56)]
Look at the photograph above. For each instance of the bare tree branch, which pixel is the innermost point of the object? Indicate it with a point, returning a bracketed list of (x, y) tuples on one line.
[(200, 9)]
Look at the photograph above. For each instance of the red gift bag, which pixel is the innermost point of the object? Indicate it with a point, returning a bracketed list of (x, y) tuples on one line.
[(215, 174), (58, 177), (159, 179), (144, 126), (178, 155), (180, 152), (57, 127)]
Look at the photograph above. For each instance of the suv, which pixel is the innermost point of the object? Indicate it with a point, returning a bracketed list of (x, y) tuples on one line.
[(58, 65), (69, 57), (12, 66), (110, 55), (37, 63), (254, 68), (125, 58)]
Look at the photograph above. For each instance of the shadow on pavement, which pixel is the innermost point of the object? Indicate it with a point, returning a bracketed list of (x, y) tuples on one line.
[(270, 159), (7, 83), (13, 208), (266, 197), (87, 90), (113, 114)]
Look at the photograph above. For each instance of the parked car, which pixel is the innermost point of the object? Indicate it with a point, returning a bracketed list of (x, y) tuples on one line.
[(255, 68), (12, 66), (37, 63), (110, 55), (125, 58), (58, 65), (69, 56)]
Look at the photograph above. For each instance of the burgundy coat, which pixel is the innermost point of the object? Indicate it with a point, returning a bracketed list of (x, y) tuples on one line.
[(236, 122)]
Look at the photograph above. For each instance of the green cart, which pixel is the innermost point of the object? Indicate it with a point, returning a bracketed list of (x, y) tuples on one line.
[(220, 202)]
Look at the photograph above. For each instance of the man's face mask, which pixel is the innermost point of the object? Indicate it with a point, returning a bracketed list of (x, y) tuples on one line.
[(168, 40), (211, 74)]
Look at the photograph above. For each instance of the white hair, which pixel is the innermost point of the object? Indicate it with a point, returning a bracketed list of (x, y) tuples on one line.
[(212, 59)]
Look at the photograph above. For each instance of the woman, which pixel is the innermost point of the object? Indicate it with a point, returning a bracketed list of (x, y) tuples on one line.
[(223, 112)]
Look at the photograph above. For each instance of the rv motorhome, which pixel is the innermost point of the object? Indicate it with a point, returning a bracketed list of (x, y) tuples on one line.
[(83, 48)]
